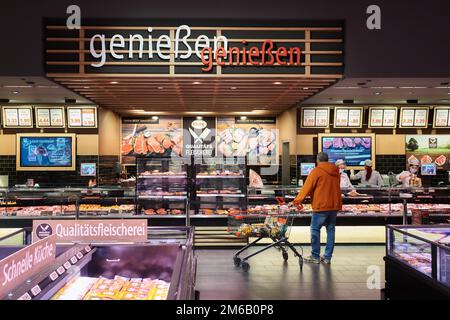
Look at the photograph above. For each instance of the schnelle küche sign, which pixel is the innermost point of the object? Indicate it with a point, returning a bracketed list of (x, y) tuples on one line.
[(209, 51)]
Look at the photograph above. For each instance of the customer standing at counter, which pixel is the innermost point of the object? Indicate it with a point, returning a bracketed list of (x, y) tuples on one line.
[(409, 178), (345, 180), (322, 185), (368, 176)]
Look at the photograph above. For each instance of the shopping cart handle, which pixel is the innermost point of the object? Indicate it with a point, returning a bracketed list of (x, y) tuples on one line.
[(280, 201)]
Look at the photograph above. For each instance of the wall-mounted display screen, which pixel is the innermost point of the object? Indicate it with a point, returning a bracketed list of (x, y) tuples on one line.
[(88, 169), (50, 117), (353, 148), (348, 117), (306, 168), (82, 117), (414, 117), (428, 169), (382, 117), (54, 152), (315, 117), (17, 117)]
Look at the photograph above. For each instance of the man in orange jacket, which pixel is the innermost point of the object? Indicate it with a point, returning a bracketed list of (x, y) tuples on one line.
[(323, 186)]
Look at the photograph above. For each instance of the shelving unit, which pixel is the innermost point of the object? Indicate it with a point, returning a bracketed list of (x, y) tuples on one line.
[(162, 187)]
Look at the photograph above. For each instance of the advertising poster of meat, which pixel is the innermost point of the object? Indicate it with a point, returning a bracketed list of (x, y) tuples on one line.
[(148, 136), (254, 138), (354, 150), (429, 149)]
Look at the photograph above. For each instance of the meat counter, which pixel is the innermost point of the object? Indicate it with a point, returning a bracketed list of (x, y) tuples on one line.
[(362, 206), (417, 262)]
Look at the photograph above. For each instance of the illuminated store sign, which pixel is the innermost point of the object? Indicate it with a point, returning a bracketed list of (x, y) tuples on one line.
[(209, 51)]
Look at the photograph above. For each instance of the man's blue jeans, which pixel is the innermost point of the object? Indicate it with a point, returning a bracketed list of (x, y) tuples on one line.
[(318, 220)]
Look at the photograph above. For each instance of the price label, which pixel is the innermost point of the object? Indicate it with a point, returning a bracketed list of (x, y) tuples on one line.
[(79, 255), (442, 118), (36, 290), (25, 296), (53, 276), (87, 248), (60, 270), (67, 265), (309, 117), (73, 260)]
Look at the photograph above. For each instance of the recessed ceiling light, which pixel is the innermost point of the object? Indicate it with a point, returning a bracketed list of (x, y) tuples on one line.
[(155, 117), (233, 88), (114, 82), (138, 110), (86, 87), (243, 117), (377, 93), (196, 82), (199, 117), (305, 88), (15, 92), (160, 88), (278, 82), (448, 92)]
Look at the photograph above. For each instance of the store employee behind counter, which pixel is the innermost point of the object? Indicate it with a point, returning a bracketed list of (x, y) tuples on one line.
[(322, 185), (368, 176)]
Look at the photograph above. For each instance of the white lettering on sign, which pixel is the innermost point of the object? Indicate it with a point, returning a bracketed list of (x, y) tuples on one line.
[(21, 265), (182, 48), (93, 230)]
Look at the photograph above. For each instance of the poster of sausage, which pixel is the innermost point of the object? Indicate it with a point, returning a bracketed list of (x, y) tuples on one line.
[(254, 138), (147, 136), (429, 149)]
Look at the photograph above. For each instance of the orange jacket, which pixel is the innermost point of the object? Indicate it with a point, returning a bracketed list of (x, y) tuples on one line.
[(323, 186)]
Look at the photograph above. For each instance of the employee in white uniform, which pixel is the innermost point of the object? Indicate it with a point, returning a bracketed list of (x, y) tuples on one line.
[(368, 176), (345, 180), (407, 176)]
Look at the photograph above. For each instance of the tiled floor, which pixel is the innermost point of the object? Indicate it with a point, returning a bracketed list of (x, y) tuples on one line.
[(270, 277)]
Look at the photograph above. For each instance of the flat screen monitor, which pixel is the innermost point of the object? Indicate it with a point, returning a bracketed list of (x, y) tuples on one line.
[(88, 169), (355, 149), (47, 152), (428, 169), (306, 168)]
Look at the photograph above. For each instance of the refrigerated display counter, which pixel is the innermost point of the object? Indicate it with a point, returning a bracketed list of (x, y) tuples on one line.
[(163, 268), (417, 262)]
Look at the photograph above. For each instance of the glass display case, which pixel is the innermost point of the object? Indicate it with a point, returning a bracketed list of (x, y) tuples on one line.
[(220, 185), (424, 252), (109, 202), (160, 269), (39, 202), (162, 186), (356, 201)]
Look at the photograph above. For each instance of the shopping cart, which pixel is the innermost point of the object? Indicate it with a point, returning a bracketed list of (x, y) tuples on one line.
[(275, 225)]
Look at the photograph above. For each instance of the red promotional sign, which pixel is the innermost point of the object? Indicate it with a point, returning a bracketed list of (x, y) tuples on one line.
[(22, 264)]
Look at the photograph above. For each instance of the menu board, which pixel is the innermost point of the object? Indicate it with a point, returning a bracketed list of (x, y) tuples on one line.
[(316, 117), (49, 117), (17, 117), (82, 117), (346, 117), (441, 117), (411, 117), (382, 117)]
